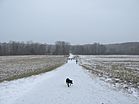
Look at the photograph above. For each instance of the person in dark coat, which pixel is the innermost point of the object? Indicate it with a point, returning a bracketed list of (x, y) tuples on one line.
[(76, 61)]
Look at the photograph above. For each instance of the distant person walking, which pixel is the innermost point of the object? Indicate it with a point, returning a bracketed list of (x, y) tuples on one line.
[(76, 61)]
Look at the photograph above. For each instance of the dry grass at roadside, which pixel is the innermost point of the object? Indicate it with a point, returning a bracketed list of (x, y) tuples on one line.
[(14, 67), (121, 69), (124, 75)]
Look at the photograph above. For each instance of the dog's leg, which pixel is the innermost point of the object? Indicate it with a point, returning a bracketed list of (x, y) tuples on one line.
[(68, 84)]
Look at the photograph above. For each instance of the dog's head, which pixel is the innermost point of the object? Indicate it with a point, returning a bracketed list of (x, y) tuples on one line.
[(71, 81)]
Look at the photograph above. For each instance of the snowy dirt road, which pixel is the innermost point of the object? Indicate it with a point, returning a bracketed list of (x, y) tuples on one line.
[(50, 88)]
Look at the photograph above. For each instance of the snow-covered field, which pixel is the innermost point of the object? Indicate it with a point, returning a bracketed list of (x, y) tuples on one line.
[(50, 88), (11, 66), (128, 61), (120, 70)]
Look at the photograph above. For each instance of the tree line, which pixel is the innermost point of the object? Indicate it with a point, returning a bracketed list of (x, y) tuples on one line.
[(31, 48), (89, 49), (64, 48), (129, 48)]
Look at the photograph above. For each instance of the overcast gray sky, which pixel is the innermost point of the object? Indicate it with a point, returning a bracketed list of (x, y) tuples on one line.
[(74, 21)]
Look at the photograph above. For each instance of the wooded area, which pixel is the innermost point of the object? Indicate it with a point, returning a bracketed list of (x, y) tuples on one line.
[(129, 48), (64, 48), (30, 48)]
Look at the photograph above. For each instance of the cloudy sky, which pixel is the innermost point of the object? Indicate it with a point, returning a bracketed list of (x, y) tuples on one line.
[(74, 21)]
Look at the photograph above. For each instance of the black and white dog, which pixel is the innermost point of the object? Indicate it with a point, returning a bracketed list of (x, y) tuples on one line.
[(69, 82)]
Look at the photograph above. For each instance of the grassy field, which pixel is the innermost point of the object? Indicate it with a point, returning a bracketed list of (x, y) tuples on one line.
[(14, 67), (122, 69)]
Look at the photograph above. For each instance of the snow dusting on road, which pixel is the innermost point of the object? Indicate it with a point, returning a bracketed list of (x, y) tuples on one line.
[(50, 88)]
